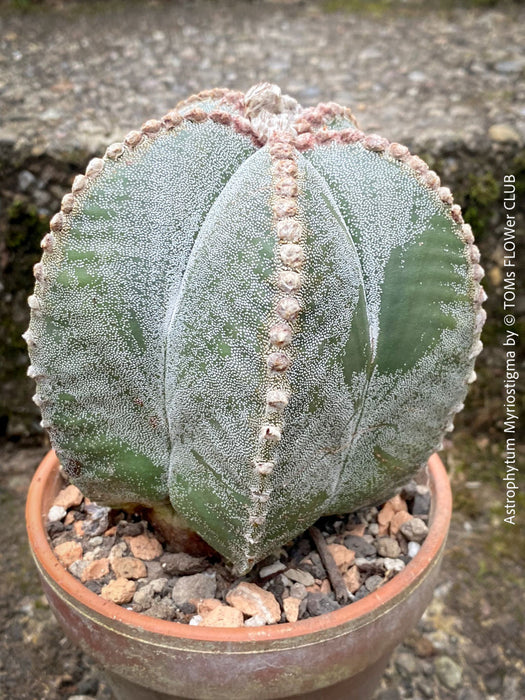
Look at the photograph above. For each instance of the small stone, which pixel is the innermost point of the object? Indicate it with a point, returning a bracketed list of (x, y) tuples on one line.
[(360, 546), (127, 529), (68, 552), (144, 547), (448, 672), (386, 514), (79, 528), (252, 600), (352, 579), (388, 547), (325, 586), (195, 620), (396, 565), (119, 591), (300, 576), (415, 530), (206, 605), (406, 664), (291, 608), (56, 513), (398, 503), (413, 549), (187, 608), (373, 582), (145, 596), (298, 590), (255, 621), (504, 133), (118, 550), (319, 604), (343, 557), (397, 520), (69, 497), (271, 569), (77, 567), (95, 570), (313, 565), (128, 567), (357, 530), (155, 570), (97, 520), (163, 609), (222, 616), (182, 564), (26, 180), (194, 587)]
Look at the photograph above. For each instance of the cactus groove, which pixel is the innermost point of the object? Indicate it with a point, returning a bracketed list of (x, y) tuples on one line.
[(256, 313)]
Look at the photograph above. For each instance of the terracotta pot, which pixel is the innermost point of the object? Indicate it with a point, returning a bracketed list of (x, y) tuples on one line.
[(340, 655)]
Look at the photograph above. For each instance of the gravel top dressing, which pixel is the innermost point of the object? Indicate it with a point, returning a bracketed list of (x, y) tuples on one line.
[(340, 560)]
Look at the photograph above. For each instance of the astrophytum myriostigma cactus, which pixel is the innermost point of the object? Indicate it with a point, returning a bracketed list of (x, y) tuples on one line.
[(253, 314)]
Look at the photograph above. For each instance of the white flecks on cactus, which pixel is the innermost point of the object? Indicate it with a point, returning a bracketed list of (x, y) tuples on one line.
[(255, 310)]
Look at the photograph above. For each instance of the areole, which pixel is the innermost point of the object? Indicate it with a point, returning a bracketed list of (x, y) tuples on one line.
[(338, 656)]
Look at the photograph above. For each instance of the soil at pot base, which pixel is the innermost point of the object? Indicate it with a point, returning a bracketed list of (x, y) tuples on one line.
[(118, 556)]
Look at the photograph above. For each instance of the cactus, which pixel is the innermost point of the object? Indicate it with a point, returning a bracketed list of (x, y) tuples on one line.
[(249, 315)]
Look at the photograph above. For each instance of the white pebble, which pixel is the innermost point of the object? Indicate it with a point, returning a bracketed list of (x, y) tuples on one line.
[(56, 513), (393, 564), (195, 620), (413, 549), (255, 621)]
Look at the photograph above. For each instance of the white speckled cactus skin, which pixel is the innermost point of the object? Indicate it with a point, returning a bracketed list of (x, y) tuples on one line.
[(256, 314)]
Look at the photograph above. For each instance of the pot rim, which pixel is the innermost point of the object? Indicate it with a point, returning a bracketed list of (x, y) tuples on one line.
[(369, 606)]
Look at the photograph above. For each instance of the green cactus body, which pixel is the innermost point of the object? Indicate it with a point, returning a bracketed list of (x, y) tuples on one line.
[(255, 313)]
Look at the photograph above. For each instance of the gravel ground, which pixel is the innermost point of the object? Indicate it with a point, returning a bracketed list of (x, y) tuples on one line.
[(449, 83), (80, 77)]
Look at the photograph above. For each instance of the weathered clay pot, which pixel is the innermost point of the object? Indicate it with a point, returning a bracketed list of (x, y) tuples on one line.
[(337, 656)]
